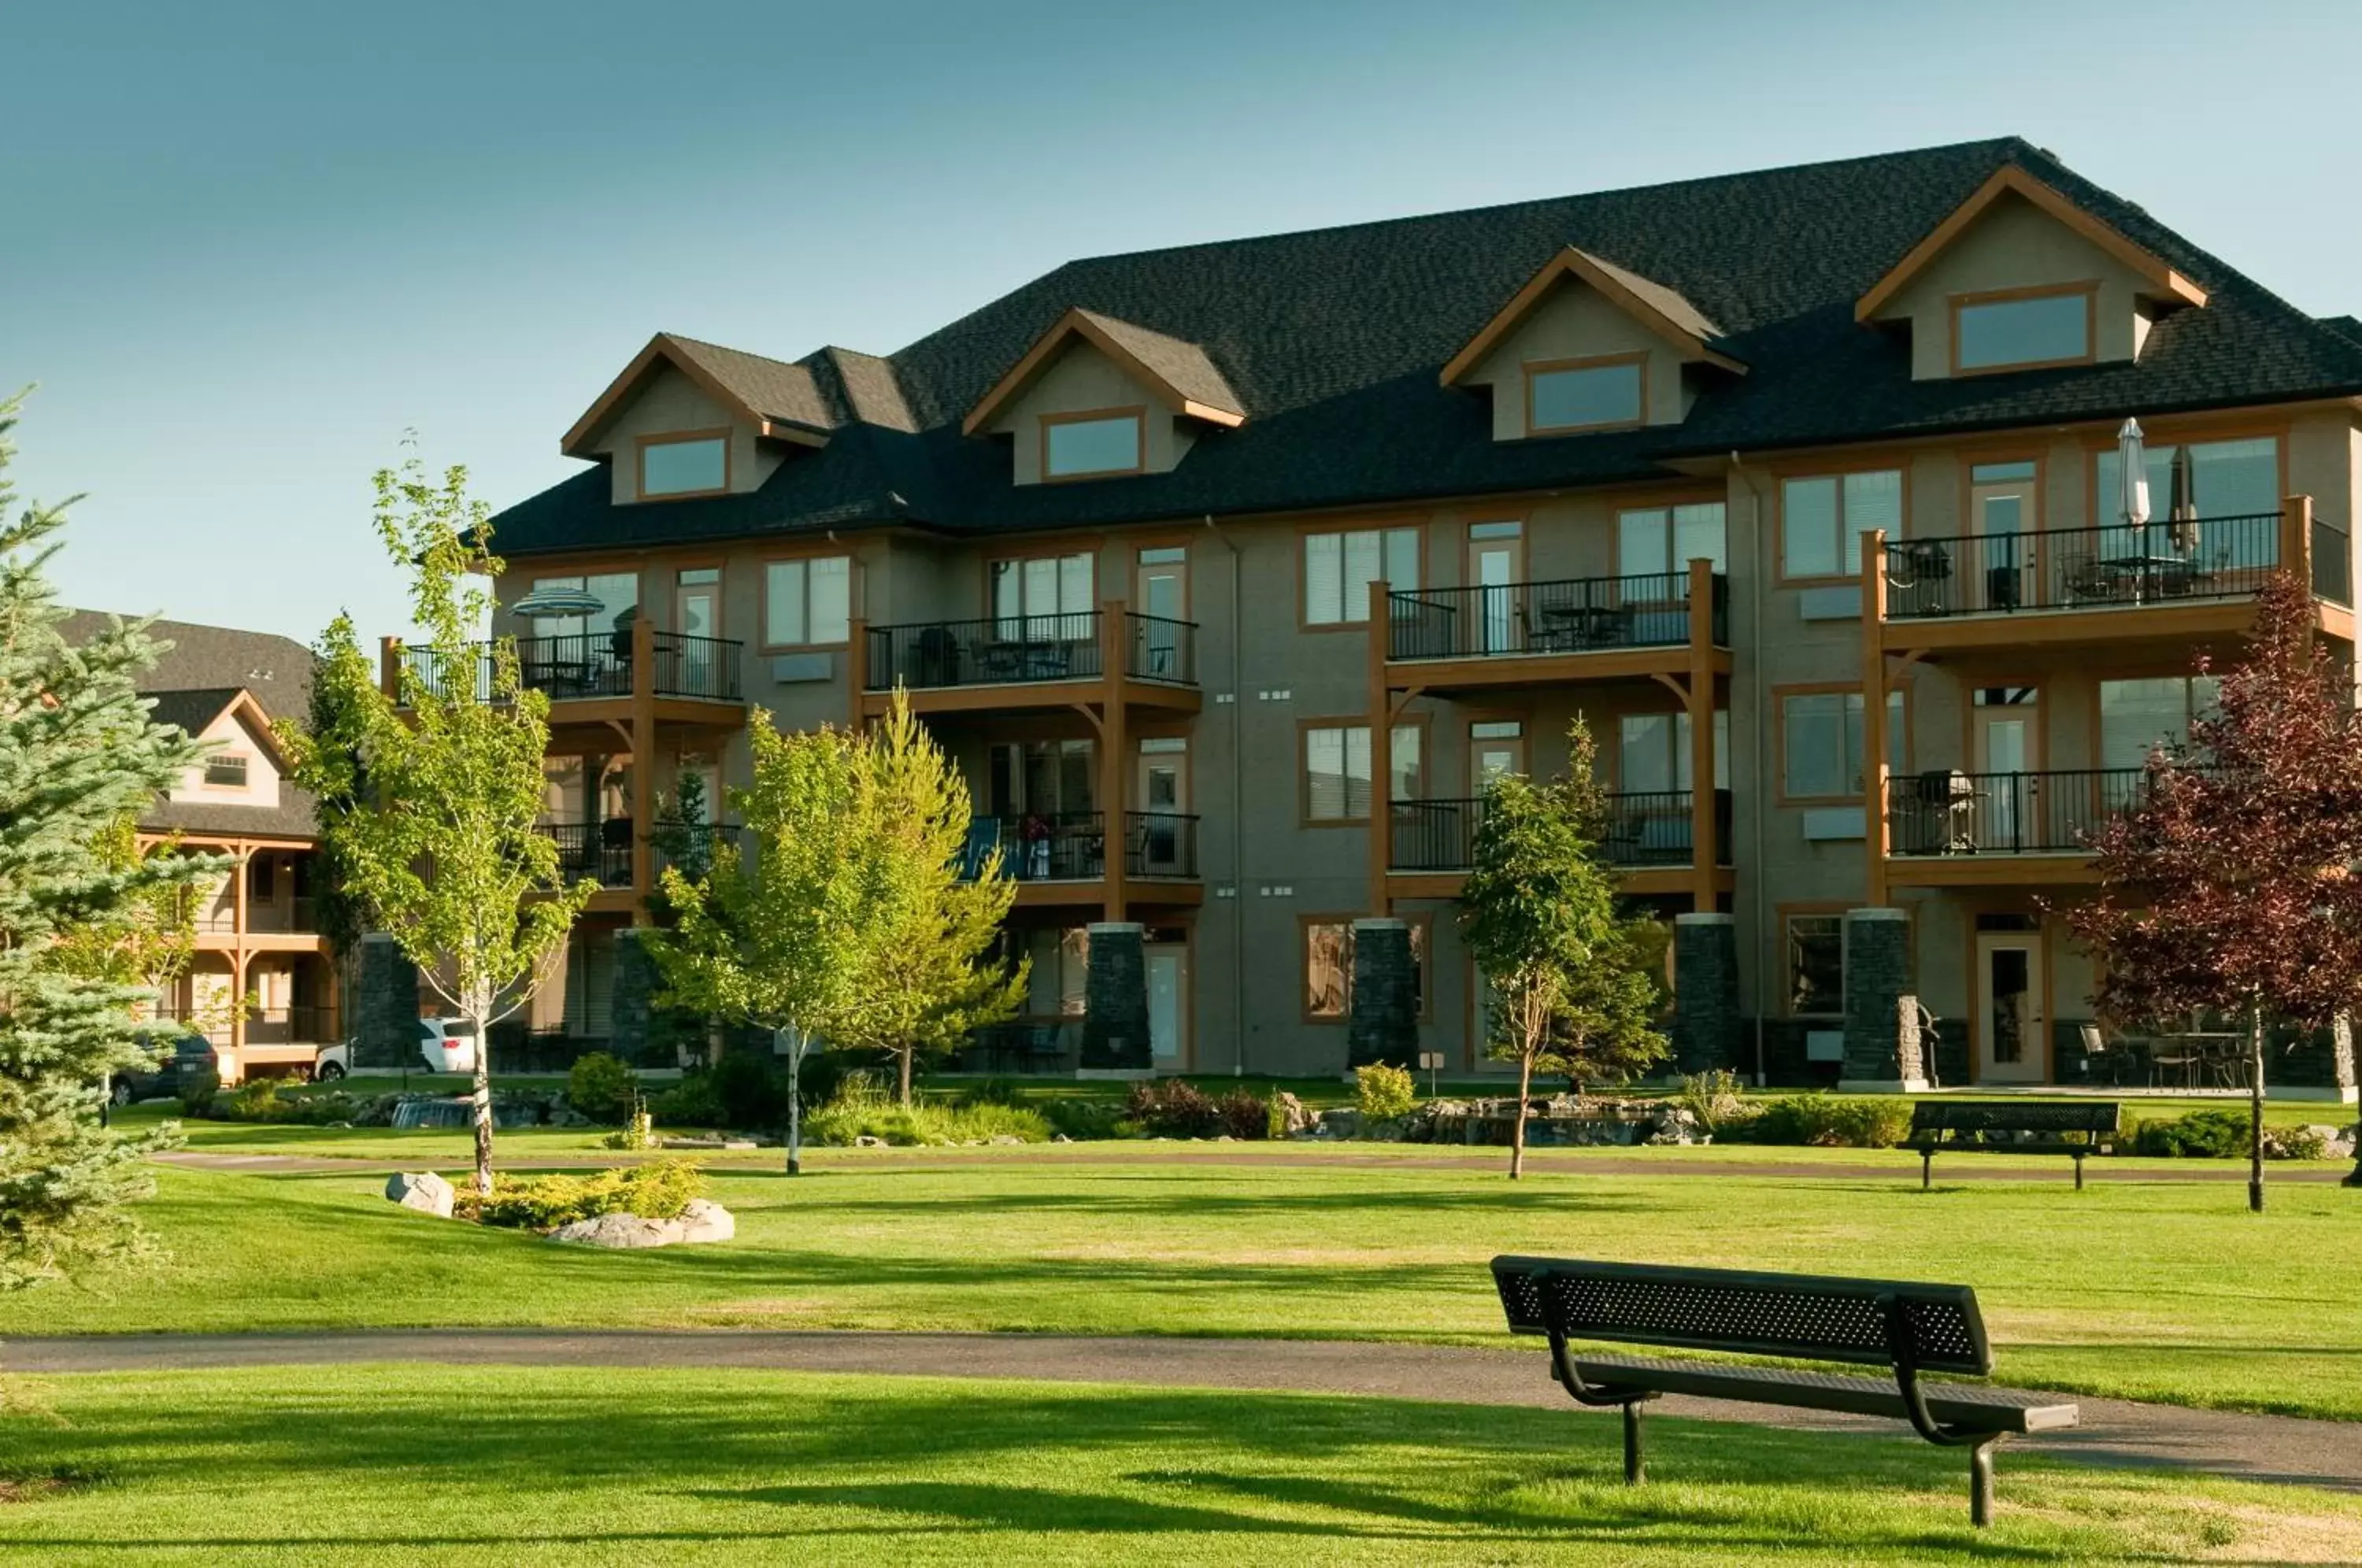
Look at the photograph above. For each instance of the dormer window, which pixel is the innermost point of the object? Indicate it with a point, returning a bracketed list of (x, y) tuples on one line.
[(694, 463), (1089, 446), (1568, 396), (2023, 329), (225, 770)]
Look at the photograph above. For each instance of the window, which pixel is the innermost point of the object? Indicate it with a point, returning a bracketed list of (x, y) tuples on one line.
[(1653, 751), (808, 602), (1596, 395), (1075, 447), (229, 772), (1815, 958), (685, 465), (260, 878), (2227, 478), (1329, 968), (1044, 587), (1667, 539), (1337, 771), (618, 593), (2137, 715), (1054, 985), (1338, 569), (1821, 739), (1045, 778), (1822, 520), (2019, 330)]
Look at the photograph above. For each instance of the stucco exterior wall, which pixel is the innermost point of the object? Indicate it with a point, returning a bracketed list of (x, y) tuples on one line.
[(1082, 380), (1576, 322), (669, 403)]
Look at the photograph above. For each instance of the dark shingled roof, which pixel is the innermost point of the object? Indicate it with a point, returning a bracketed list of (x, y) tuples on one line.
[(772, 388), (1182, 366), (1331, 341), (192, 711), (1668, 302)]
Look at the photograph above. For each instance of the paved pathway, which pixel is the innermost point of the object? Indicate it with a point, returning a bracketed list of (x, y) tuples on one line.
[(2264, 1448), (1900, 1166)]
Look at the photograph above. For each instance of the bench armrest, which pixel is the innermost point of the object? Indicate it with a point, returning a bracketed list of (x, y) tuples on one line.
[(1906, 1381)]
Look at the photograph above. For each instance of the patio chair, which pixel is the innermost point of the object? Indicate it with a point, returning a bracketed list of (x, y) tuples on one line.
[(2080, 577), (2102, 1054), (2170, 1056)]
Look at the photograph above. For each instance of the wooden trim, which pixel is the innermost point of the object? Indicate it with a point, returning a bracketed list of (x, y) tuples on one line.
[(2089, 288), (662, 346), (1777, 717), (2008, 180), (1973, 984), (1136, 413), (1074, 323), (1571, 262), (1781, 914), (1533, 368), (640, 445), (720, 567), (1305, 529), (761, 642), (1868, 464)]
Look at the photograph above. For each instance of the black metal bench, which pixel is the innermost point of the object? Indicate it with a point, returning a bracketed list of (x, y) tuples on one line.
[(2077, 1129), (1908, 1328)]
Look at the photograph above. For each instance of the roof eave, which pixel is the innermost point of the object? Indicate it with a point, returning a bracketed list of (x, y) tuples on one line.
[(1572, 262), (1076, 324)]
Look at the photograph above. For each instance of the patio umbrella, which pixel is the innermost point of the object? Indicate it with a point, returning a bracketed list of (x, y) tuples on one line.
[(557, 603), (2132, 458), (2183, 514)]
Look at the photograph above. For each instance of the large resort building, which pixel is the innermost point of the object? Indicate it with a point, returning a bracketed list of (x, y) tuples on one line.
[(1231, 572)]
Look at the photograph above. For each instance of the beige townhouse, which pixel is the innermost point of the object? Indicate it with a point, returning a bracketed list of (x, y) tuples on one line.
[(1230, 573)]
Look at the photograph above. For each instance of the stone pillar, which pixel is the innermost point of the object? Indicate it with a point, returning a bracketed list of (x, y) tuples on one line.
[(1382, 1023), (1115, 998), (1877, 998), (631, 987), (385, 1005), (1706, 991)]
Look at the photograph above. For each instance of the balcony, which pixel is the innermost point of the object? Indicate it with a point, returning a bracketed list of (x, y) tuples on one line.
[(1071, 847), (1567, 629), (1012, 660), (593, 666), (2164, 579), (1998, 820), (600, 851), (1645, 829)]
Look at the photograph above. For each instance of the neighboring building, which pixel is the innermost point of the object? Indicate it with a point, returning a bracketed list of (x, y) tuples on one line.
[(257, 935), (1614, 454)]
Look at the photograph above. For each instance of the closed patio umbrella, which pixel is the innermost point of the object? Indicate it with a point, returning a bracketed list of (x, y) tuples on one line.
[(2182, 514), (2132, 458)]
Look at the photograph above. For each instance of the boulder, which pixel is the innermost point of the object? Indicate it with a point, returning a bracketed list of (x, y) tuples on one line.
[(702, 1219), (1292, 1116), (1004, 1139), (618, 1231), (421, 1190), (865, 1141)]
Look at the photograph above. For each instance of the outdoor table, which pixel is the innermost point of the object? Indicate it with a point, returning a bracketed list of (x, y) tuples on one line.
[(2208, 1048), (1574, 626), (2150, 576)]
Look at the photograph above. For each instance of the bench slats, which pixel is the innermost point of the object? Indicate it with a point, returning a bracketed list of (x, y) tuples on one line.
[(1969, 1406), (2096, 1117)]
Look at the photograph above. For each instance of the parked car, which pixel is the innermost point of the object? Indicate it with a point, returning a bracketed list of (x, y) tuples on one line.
[(445, 1045), (189, 1054)]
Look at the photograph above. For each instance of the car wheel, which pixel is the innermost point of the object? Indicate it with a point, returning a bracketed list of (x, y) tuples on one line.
[(120, 1094), (328, 1071)]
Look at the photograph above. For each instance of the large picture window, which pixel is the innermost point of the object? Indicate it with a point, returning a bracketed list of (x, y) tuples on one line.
[(1822, 520), (684, 465), (2225, 480), (1667, 539), (1044, 596), (1336, 763), (1821, 743), (1094, 444), (2021, 331), (1329, 968), (1599, 395), (1815, 953), (2138, 716), (1340, 568), (808, 602)]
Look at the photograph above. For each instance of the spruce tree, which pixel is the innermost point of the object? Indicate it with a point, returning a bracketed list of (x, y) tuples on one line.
[(78, 754)]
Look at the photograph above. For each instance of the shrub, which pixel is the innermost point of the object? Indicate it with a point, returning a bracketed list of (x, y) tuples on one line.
[(688, 1103), (863, 1115), (753, 1090), (2210, 1134), (1381, 1093), (658, 1190), (639, 1133), (601, 1088), (198, 1087), (1245, 1114), (1712, 1097), (1172, 1108), (1080, 1118), (2295, 1143), (1828, 1121)]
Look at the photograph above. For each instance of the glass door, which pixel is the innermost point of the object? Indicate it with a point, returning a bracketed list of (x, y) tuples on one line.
[(2011, 1028), (1497, 560), (2003, 509), (697, 616), (2007, 729), (1167, 966), (1164, 601), (1163, 786)]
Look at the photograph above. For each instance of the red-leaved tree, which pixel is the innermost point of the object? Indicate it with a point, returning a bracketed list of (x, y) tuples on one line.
[(2233, 884)]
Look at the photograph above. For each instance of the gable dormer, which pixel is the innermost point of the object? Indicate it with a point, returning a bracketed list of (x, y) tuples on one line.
[(686, 420), (2020, 278), (1100, 398), (1586, 346), (245, 765)]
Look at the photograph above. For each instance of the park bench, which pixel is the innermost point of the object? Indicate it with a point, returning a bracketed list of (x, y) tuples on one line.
[(1907, 1329), (2077, 1129)]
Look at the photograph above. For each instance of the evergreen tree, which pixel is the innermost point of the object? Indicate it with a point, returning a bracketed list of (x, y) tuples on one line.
[(78, 757)]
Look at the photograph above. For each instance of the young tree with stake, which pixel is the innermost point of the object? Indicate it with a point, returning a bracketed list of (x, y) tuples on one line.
[(433, 799), (2230, 885), (1572, 981)]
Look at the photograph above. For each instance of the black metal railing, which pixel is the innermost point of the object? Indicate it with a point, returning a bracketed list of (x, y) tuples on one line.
[(689, 847), (1157, 649), (1042, 847), (1951, 812), (1644, 828), (589, 664), (1159, 843), (1569, 615), (308, 1025), (1002, 651), (2120, 565), (2332, 563), (1024, 1045), (697, 667), (601, 851)]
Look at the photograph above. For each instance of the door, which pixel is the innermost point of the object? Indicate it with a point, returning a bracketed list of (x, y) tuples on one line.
[(1496, 561), (1164, 601), (2012, 1034), (1494, 748), (2007, 727), (1167, 966), (2002, 514), (697, 617), (1163, 795)]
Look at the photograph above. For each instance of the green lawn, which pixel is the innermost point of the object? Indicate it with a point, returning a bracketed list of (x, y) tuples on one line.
[(2155, 1291), (408, 1464)]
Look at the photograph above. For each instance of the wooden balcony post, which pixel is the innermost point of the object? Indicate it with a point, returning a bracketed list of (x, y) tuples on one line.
[(644, 762), (1114, 760), (2296, 539), (1382, 753), (1705, 853), (1873, 714), (856, 668), (389, 666)]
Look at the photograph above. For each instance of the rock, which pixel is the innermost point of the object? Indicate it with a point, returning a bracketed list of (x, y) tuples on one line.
[(1292, 1115), (421, 1190), (1344, 1122), (1060, 1138), (620, 1230), (866, 1142), (702, 1219), (1005, 1139)]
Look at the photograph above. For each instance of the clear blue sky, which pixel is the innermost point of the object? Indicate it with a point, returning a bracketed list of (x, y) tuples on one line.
[(244, 246)]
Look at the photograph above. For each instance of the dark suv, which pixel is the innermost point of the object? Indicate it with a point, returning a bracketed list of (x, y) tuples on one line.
[(189, 1054)]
